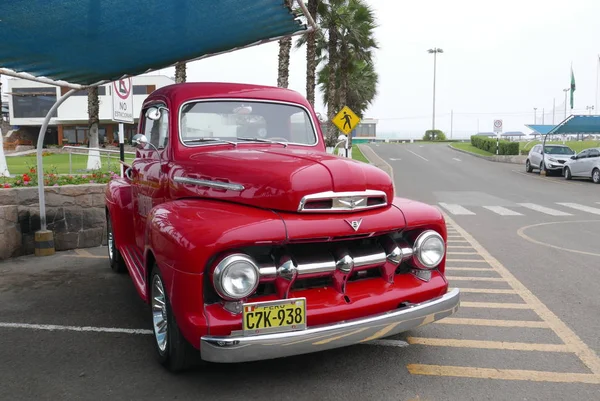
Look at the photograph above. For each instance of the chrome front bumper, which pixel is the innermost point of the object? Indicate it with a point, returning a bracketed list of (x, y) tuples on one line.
[(243, 349)]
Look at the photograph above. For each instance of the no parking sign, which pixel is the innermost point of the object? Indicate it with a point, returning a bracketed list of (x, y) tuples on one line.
[(497, 125)]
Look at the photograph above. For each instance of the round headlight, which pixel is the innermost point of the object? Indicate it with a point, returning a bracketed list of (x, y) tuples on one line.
[(429, 249), (236, 277)]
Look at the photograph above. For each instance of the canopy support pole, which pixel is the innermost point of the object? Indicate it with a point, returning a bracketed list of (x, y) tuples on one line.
[(40, 166)]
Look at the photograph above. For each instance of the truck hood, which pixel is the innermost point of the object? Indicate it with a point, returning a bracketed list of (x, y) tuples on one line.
[(273, 178)]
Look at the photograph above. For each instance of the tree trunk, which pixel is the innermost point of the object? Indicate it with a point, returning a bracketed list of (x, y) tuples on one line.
[(344, 73), (311, 56), (332, 131), (3, 166), (94, 161), (283, 71), (180, 73)]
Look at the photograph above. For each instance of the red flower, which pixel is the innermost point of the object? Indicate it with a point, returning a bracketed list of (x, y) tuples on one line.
[(26, 177), (6, 185), (32, 170)]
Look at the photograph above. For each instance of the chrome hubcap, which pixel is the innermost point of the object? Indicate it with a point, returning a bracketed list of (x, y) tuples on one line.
[(596, 175), (109, 240), (159, 313)]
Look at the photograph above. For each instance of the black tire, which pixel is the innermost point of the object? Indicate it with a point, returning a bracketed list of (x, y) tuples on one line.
[(567, 174), (117, 263), (178, 354), (596, 176), (528, 167)]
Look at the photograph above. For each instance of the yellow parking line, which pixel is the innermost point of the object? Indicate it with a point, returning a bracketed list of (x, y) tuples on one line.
[(82, 253), (503, 374), (494, 305), (469, 269), (466, 260), (503, 345), (453, 241), (459, 278), (488, 291), (381, 332), (492, 322), (461, 253), (328, 340), (568, 336), (460, 247)]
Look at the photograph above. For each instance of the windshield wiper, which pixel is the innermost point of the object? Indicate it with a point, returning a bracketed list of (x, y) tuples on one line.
[(209, 140), (241, 138)]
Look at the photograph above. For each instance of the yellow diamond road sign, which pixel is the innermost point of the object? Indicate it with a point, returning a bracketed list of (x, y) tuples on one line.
[(346, 120)]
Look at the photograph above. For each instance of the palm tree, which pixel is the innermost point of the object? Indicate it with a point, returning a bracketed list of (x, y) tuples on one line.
[(349, 25), (283, 70), (180, 72), (311, 54), (94, 161)]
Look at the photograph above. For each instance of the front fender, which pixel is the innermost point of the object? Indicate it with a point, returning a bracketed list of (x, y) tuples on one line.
[(119, 204), (185, 234)]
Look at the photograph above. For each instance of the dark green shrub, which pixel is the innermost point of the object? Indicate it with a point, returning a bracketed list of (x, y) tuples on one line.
[(489, 145), (434, 135)]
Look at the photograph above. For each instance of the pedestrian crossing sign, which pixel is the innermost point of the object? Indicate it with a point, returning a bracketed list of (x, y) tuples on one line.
[(346, 120)]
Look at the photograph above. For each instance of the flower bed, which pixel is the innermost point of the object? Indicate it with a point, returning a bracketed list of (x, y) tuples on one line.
[(53, 179)]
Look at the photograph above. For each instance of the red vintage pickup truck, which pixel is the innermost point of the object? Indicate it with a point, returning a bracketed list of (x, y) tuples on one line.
[(249, 241)]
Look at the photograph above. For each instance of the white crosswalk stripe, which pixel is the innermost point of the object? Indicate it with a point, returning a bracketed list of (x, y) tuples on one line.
[(583, 208), (456, 209), (543, 209), (502, 211)]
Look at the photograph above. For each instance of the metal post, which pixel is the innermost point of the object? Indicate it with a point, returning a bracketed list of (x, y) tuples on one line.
[(121, 146), (553, 109), (543, 115), (434, 72), (497, 143), (451, 122), (535, 115), (40, 164), (70, 163), (566, 91)]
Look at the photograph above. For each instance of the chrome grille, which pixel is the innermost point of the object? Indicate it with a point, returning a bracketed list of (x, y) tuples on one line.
[(342, 201)]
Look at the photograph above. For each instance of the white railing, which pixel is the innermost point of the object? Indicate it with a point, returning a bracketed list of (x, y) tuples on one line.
[(85, 151)]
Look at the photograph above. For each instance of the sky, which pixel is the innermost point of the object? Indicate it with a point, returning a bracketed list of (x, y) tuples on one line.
[(501, 59)]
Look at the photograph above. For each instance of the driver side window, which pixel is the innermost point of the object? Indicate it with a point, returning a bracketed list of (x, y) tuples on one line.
[(157, 131)]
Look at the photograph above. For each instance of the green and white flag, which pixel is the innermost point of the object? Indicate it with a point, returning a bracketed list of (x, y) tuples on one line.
[(572, 86)]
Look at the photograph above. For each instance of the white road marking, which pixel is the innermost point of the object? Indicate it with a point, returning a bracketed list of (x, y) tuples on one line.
[(454, 158), (417, 155), (394, 159), (388, 343), (543, 209), (583, 208), (54, 327), (502, 211), (456, 209)]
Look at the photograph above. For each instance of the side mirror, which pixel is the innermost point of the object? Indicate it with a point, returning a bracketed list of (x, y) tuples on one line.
[(139, 141), (153, 113), (573, 157)]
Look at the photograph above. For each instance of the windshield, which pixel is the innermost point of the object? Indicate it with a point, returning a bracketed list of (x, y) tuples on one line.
[(237, 121), (558, 150)]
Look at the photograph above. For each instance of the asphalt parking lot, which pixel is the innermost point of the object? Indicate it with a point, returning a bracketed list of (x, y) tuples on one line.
[(527, 329)]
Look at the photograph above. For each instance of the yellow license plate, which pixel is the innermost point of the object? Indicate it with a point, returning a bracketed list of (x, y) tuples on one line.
[(274, 316)]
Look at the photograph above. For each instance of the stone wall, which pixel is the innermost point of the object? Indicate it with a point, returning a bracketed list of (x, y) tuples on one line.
[(75, 213)]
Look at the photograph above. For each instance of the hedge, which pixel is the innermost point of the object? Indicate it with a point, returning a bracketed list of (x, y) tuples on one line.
[(489, 145)]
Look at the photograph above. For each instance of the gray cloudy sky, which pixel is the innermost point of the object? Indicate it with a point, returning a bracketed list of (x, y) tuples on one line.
[(502, 59)]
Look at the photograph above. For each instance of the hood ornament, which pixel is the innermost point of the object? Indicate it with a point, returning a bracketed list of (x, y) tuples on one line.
[(355, 224)]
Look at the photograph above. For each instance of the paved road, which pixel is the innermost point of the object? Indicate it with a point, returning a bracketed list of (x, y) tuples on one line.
[(527, 328)]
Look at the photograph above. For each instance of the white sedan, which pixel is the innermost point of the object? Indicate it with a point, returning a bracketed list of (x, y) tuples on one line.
[(585, 164)]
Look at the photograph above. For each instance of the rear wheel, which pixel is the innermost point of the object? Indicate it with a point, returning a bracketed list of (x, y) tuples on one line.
[(596, 176), (568, 175), (172, 349), (117, 264)]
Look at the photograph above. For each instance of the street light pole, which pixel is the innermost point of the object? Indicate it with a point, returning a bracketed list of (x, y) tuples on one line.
[(566, 91), (535, 115), (435, 51)]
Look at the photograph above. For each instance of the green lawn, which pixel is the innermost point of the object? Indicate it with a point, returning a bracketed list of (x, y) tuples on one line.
[(470, 148), (358, 155), (577, 146), (21, 164)]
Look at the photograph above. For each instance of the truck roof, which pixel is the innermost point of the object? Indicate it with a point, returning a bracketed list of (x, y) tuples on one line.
[(182, 92)]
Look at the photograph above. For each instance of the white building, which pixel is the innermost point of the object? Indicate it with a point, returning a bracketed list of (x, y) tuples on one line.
[(30, 101)]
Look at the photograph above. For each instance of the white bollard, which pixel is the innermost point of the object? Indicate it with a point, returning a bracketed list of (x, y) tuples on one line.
[(3, 166)]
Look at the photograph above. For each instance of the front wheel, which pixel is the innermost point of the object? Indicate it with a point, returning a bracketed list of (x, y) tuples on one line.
[(528, 167), (568, 175), (596, 176), (172, 349)]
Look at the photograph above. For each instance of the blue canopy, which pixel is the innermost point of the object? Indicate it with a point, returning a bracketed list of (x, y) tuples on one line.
[(578, 124), (540, 129), (88, 41)]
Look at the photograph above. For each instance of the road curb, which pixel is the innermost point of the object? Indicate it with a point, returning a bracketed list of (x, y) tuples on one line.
[(511, 159)]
